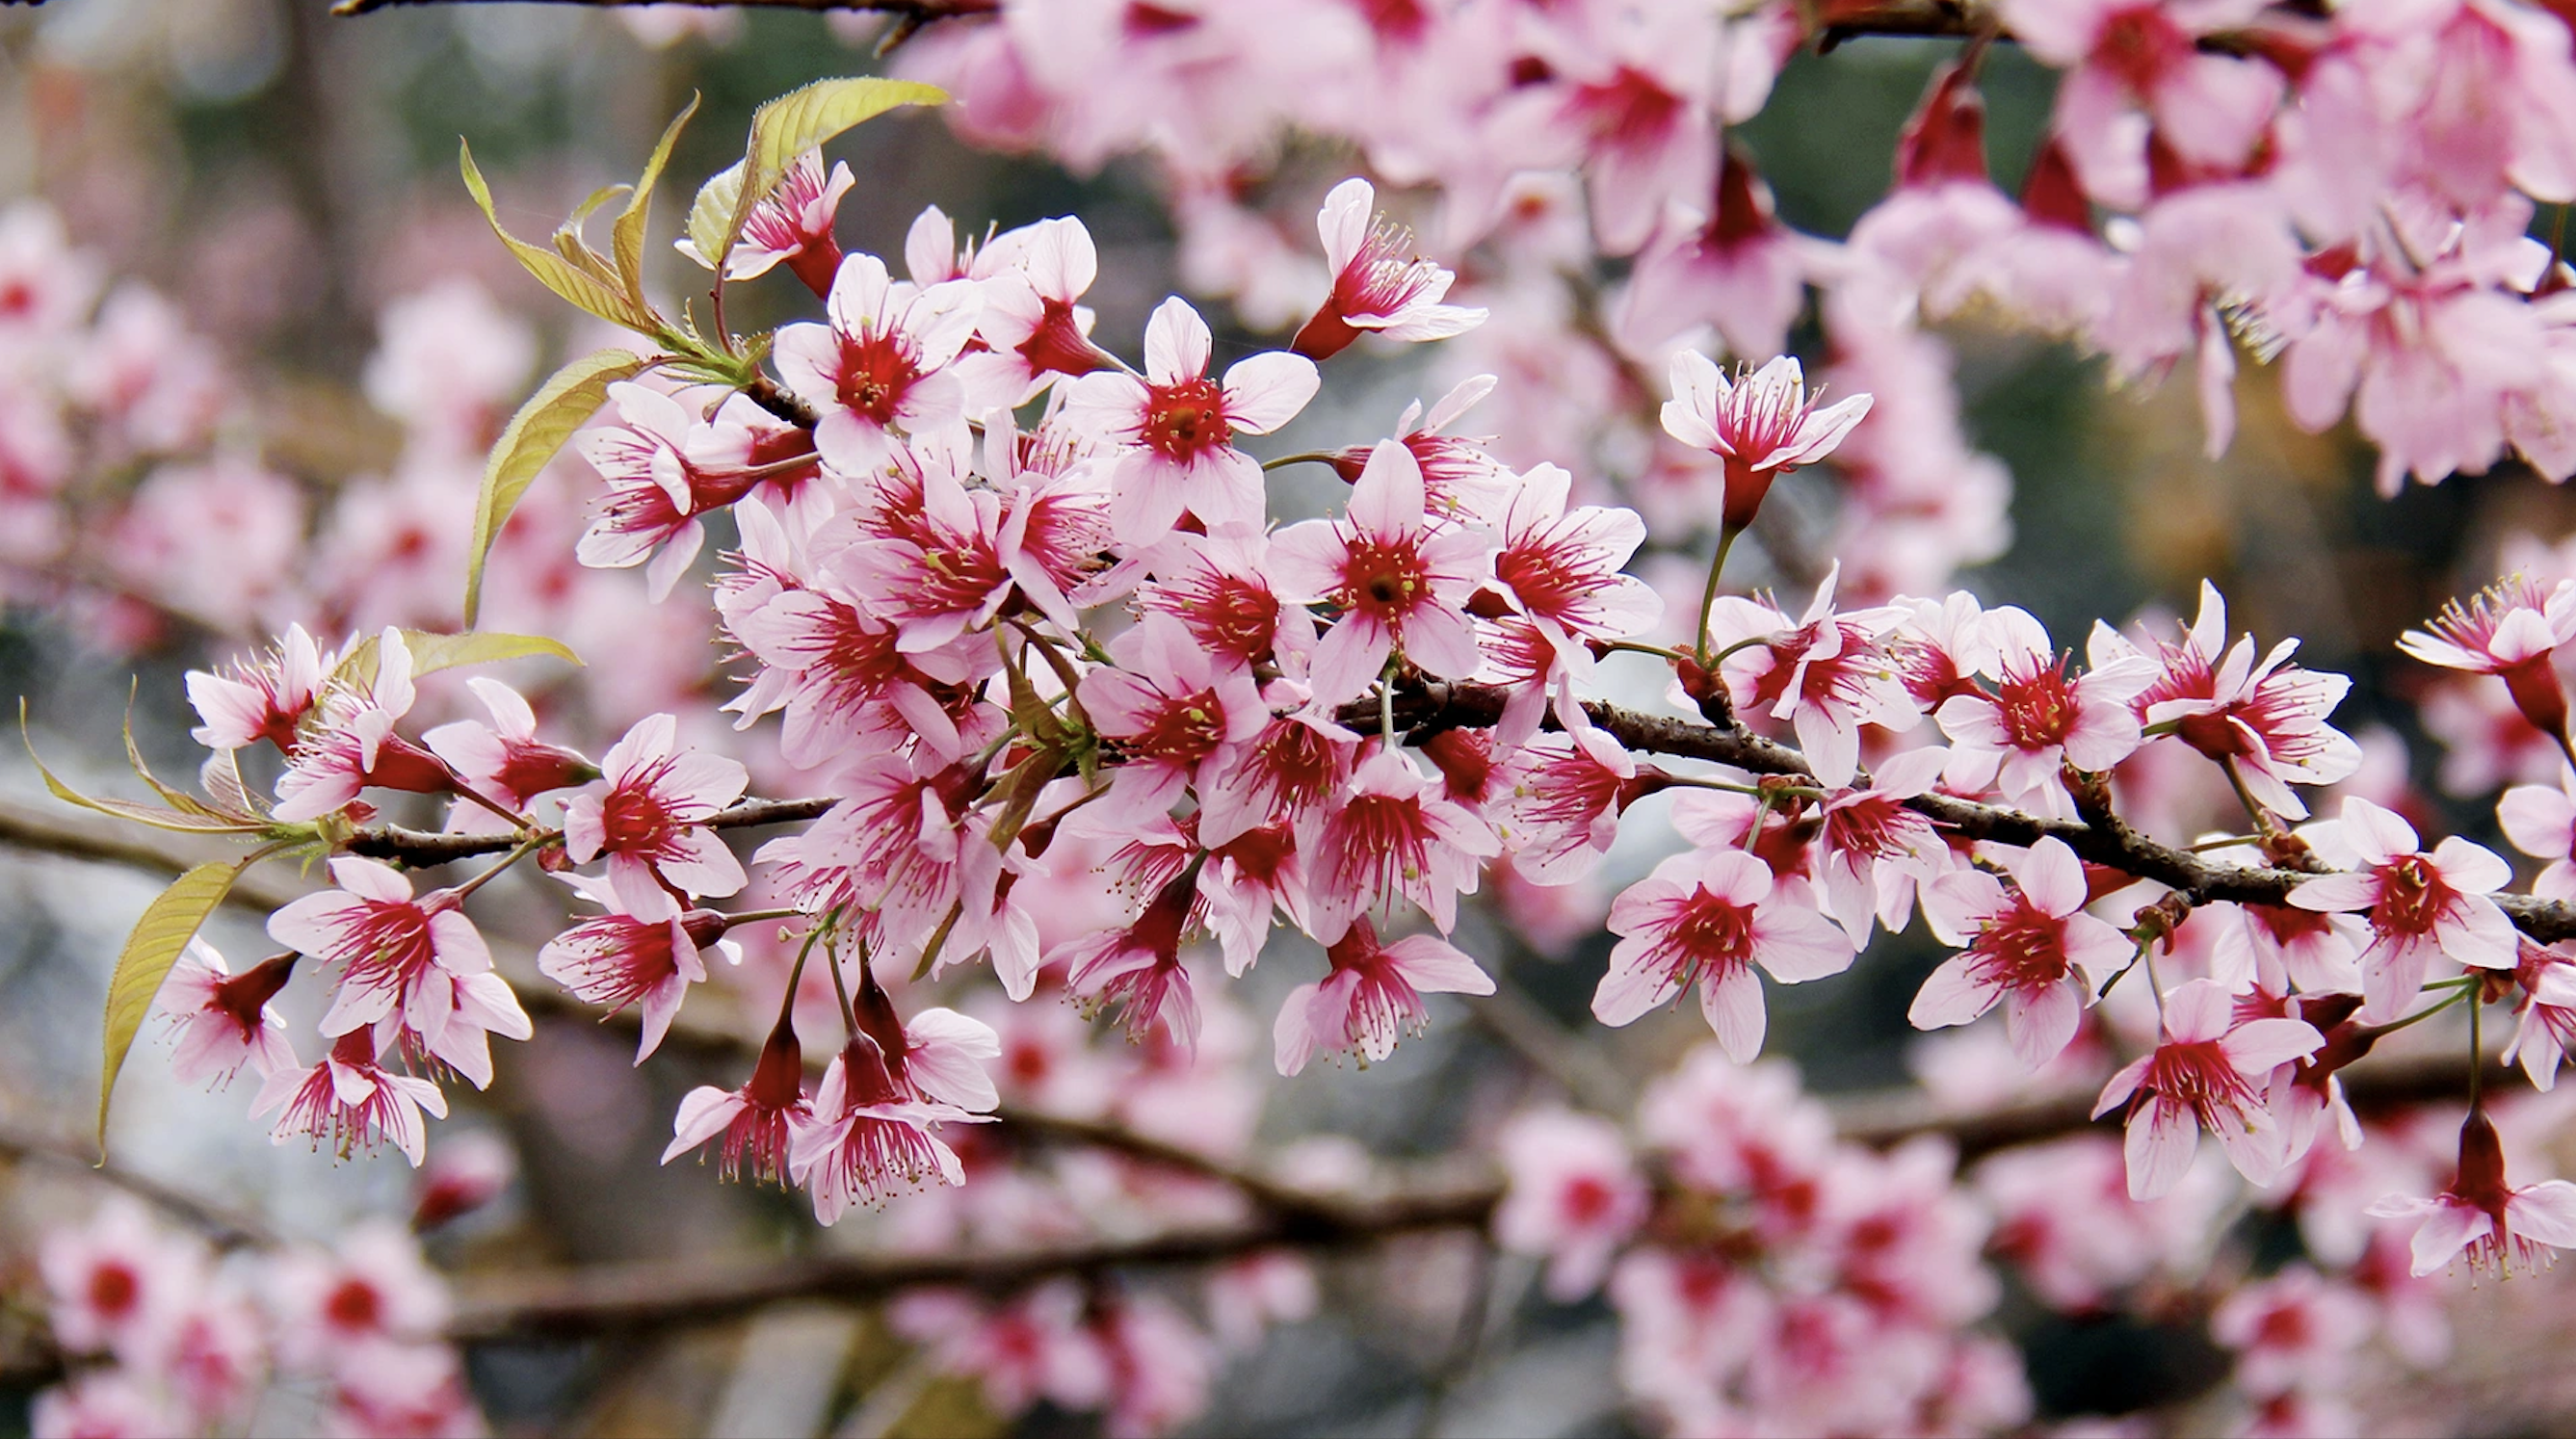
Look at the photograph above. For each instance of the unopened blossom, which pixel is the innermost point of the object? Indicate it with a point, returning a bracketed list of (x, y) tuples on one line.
[(2205, 1073), (650, 821), (882, 367), (1373, 996), (1763, 425), (2546, 1027), (2038, 718), (647, 957), (223, 1019), (1033, 320), (383, 939), (351, 1100), (265, 698), (1560, 567), (867, 1143), (792, 224), (504, 761), (1377, 284), (2502, 1226), (2419, 905), (2266, 721), (2541, 822), (1173, 429), (755, 1121), (1825, 674), (1392, 833), (352, 744), (1874, 852), (1172, 707), (1398, 582), (2032, 947), (2510, 629), (1574, 1196), (1709, 918)]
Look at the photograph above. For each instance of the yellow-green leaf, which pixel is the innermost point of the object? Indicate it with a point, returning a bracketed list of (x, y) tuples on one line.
[(168, 923), (559, 407), (177, 799), (626, 237), (796, 122), (433, 652), (178, 821), (576, 283), (711, 215)]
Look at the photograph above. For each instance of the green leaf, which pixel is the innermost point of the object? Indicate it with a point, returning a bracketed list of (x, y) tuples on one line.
[(177, 799), (179, 821), (626, 237), (711, 215), (594, 291), (786, 128), (168, 923), (433, 652), (559, 407)]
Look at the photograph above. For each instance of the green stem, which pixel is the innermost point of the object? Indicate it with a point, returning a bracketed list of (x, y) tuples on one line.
[(2419, 1016), (2477, 1052), (1708, 596), (526, 848), (1302, 457)]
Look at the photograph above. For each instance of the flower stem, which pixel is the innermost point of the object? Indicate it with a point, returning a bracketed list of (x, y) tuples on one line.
[(2477, 1052), (1302, 457), (796, 975), (526, 847), (1708, 597)]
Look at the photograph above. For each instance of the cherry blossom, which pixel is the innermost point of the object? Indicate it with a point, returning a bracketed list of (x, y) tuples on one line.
[(1874, 853), (755, 1121), (1399, 583), (1825, 674), (2509, 629), (792, 225), (648, 957), (1173, 430), (650, 821), (1033, 322), (882, 364), (351, 744), (386, 943), (1376, 287), (2205, 1073), (2500, 1225), (1705, 918), (1373, 996), (352, 1101), (1575, 1196), (865, 1142), (265, 698), (2419, 905), (2032, 947), (504, 761), (2038, 719), (223, 1019), (1763, 425), (1391, 833)]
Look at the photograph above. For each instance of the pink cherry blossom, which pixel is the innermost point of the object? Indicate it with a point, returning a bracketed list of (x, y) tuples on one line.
[(2546, 1028), (2032, 947), (649, 822), (1398, 582), (2038, 719), (1563, 795), (881, 367), (268, 697), (792, 224), (1391, 832), (2133, 64), (1559, 567), (1221, 587), (1732, 265), (900, 849), (2205, 1073), (1173, 707), (2419, 905), (2541, 822), (2510, 629), (2278, 945), (1460, 476), (1135, 969), (648, 957), (1372, 997), (353, 745), (505, 761), (351, 1100), (1173, 430), (755, 1121), (1033, 319), (115, 1281), (1825, 674), (1762, 424), (1574, 1196), (222, 1019), (1709, 918), (1376, 285), (385, 942), (1874, 852), (865, 1142), (2502, 1226)]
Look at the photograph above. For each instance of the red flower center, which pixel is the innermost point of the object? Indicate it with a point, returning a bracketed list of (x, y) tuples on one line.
[(876, 370), (2412, 896), (2038, 710), (354, 1304), (633, 816), (1186, 418), (2023, 950), (1385, 580), (113, 1289)]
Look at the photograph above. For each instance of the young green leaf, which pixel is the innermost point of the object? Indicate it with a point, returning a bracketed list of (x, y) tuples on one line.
[(788, 127), (168, 923), (589, 289), (626, 237), (711, 214), (433, 652), (199, 820), (540, 428)]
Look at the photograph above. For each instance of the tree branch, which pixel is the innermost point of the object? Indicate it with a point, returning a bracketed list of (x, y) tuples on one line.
[(420, 848)]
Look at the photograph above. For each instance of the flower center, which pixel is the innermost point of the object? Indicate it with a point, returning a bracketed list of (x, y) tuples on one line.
[(1186, 418), (876, 370), (2412, 896), (2023, 950), (2037, 710), (1382, 579)]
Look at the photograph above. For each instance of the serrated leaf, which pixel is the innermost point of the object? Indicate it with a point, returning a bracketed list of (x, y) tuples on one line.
[(559, 407), (168, 923), (577, 285), (798, 121), (433, 652), (711, 213), (626, 237)]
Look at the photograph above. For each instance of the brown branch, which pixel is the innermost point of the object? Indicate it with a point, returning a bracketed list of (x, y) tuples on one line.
[(420, 848)]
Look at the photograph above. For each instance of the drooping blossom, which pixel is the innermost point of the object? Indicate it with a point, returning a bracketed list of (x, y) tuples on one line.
[(351, 744), (1372, 997), (865, 1142), (1826, 674), (650, 821), (1173, 429), (1574, 1196), (2032, 947), (1710, 918), (882, 367), (901, 849), (267, 697), (1397, 581), (1134, 971), (2205, 1073), (2510, 629), (223, 1019), (1762, 425), (1392, 833), (385, 941), (1033, 321), (2502, 1226), (2038, 718), (646, 957), (1733, 265), (755, 1121), (792, 224), (2419, 905), (504, 761), (1377, 285), (352, 1101)]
